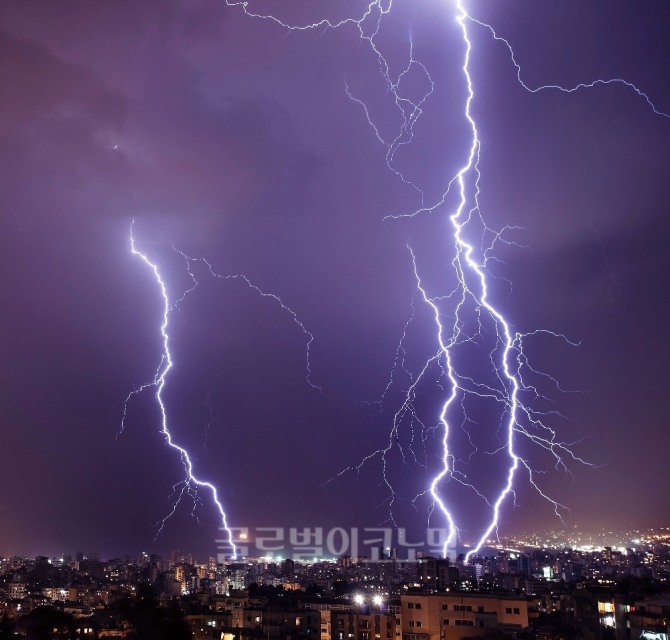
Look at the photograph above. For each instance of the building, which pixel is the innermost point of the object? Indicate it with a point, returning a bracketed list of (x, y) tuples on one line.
[(453, 616), (368, 625), (436, 573)]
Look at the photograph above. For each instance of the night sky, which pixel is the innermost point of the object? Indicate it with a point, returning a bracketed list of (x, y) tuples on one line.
[(233, 139)]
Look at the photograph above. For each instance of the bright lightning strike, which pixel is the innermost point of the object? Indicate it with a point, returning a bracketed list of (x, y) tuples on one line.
[(188, 486), (191, 483), (468, 270)]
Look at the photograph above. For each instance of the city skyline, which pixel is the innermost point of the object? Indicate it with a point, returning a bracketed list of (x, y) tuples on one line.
[(616, 594), (249, 158)]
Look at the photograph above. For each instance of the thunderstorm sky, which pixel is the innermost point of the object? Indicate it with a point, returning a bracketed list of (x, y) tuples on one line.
[(236, 140)]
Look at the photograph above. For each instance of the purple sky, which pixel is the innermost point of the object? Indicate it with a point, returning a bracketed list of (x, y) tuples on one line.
[(233, 139)]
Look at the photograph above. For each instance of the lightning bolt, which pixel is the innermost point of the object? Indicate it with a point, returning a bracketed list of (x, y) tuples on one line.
[(507, 356), (190, 483), (464, 317), (473, 285)]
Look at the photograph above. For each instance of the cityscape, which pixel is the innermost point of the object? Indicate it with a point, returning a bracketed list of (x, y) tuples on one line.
[(539, 587)]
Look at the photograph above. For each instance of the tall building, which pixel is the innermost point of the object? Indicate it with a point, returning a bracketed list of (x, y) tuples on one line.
[(435, 573)]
